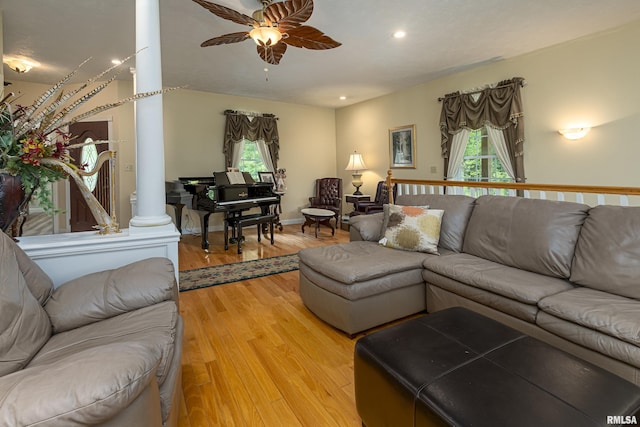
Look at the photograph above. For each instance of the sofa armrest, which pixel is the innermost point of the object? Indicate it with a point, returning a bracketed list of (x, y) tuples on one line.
[(105, 294), (87, 388), (366, 227)]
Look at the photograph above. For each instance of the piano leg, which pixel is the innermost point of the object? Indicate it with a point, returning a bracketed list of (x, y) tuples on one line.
[(239, 238), (232, 218), (271, 230), (226, 234), (204, 228)]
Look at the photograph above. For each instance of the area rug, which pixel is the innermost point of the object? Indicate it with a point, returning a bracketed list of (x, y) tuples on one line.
[(237, 271)]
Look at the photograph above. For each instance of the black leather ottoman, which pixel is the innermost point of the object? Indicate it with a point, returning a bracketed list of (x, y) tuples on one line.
[(456, 367)]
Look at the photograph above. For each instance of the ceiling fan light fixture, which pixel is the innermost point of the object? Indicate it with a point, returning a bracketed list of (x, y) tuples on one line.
[(265, 35)]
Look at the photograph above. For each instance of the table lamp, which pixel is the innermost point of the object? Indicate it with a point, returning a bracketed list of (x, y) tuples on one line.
[(356, 164)]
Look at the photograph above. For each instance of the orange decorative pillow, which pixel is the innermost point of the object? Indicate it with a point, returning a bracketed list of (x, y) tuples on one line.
[(412, 228)]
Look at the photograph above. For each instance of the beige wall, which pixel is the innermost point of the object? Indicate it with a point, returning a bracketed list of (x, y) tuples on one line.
[(591, 81), (194, 130)]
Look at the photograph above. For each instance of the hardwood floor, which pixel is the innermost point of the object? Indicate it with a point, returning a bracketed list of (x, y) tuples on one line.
[(253, 354)]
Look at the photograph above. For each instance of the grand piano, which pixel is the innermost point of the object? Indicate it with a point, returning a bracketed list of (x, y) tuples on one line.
[(222, 193)]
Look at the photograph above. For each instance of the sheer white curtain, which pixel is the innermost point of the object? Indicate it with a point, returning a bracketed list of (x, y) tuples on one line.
[(456, 155), (496, 138), (238, 150), (265, 155)]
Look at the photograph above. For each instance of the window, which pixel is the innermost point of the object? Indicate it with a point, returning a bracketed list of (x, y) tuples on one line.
[(480, 162), (250, 160)]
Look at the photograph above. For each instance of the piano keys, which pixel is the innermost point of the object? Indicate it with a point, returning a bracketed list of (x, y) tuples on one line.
[(216, 194)]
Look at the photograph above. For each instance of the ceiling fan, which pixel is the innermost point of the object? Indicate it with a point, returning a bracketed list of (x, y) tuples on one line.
[(275, 26)]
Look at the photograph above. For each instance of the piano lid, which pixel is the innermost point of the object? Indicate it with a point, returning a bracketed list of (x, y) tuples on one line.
[(209, 180)]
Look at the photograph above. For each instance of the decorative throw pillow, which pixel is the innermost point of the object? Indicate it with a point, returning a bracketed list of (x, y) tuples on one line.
[(412, 228)]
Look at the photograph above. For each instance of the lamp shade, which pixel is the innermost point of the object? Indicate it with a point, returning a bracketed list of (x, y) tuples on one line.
[(356, 163)]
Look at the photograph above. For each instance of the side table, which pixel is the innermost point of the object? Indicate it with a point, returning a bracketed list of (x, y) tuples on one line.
[(352, 198)]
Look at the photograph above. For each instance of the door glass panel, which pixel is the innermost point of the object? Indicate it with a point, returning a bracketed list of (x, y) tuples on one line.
[(89, 158)]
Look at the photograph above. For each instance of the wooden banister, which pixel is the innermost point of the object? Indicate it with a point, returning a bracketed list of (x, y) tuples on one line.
[(518, 186)]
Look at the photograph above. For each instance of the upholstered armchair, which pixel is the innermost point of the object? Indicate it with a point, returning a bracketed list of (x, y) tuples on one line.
[(369, 207), (328, 196)]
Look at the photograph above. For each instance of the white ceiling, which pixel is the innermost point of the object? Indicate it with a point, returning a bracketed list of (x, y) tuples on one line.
[(443, 37)]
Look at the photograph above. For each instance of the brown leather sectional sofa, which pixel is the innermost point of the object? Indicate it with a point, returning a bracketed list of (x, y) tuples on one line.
[(563, 272), (104, 349)]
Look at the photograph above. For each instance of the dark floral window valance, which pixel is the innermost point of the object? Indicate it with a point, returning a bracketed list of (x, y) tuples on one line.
[(252, 127), (499, 106)]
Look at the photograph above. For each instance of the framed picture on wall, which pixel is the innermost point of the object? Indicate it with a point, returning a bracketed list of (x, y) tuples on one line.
[(267, 177), (402, 147)]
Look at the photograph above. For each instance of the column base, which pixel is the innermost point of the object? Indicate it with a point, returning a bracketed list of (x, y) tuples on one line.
[(151, 221)]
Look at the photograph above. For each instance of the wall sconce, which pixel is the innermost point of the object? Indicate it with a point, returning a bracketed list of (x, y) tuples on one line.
[(19, 64), (574, 133), (356, 164)]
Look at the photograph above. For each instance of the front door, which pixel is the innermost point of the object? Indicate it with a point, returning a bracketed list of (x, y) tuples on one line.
[(81, 218)]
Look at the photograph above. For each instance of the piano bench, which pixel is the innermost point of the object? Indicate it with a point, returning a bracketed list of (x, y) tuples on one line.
[(237, 223)]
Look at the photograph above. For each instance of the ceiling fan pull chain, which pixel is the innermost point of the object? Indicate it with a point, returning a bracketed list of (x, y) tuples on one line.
[(266, 74)]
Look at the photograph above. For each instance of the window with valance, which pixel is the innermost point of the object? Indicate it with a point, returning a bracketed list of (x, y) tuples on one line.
[(259, 129), (495, 109)]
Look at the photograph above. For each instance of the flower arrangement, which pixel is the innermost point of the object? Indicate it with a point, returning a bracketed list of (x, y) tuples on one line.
[(34, 143)]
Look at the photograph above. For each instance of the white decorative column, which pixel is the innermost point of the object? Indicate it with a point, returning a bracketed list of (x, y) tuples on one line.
[(150, 191)]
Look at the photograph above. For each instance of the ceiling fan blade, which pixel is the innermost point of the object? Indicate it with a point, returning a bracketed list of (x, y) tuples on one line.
[(226, 13), (226, 39), (272, 54), (310, 38), (289, 14)]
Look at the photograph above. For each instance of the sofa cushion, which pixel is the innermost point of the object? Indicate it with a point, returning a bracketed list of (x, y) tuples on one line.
[(369, 227), (86, 387), (457, 210), (608, 251), (510, 282), (534, 235), (24, 325), (154, 326), (610, 314), (108, 293), (366, 288), (39, 283), (359, 261), (412, 228)]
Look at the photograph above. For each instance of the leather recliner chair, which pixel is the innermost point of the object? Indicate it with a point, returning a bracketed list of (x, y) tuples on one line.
[(362, 207)]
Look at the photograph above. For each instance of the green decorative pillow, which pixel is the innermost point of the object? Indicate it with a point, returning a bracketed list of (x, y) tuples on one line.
[(412, 228)]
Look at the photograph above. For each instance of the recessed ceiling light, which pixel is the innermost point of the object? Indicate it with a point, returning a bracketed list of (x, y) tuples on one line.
[(399, 34), (116, 61), (342, 98)]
